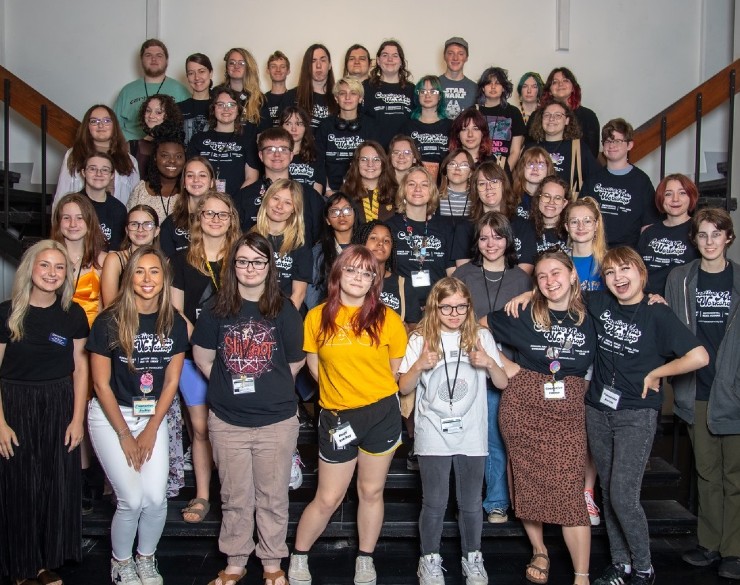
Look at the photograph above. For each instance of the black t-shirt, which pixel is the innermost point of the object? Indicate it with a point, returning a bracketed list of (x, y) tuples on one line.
[(590, 129), (573, 345), (390, 105), (337, 145), (407, 305), (194, 116), (504, 123), (46, 351), (561, 154), (713, 299), (276, 103), (528, 244), (295, 265), (432, 140), (251, 346), (228, 153), (171, 238), (112, 216), (320, 109), (524, 208), (633, 340), (436, 237), (198, 287), (627, 202), (151, 355), (662, 249), (307, 173)]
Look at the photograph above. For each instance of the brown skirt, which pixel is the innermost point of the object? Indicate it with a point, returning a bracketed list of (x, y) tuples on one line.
[(546, 444)]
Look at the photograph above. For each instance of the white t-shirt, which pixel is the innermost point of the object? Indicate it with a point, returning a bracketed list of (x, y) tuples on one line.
[(469, 401)]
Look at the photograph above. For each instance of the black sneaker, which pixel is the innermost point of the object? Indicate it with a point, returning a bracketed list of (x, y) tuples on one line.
[(729, 568), (701, 557), (614, 575), (640, 578)]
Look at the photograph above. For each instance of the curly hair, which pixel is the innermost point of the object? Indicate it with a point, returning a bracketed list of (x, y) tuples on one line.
[(362, 233), (172, 115), (154, 177), (572, 128), (535, 215), (234, 97)]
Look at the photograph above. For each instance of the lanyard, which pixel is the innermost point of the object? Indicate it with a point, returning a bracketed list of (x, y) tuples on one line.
[(156, 92), (498, 289), (553, 352), (210, 272), (451, 387), (419, 252)]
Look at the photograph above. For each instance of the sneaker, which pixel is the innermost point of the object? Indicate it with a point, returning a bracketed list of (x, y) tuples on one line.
[(412, 461), (124, 572), (729, 568), (473, 569), (188, 459), (593, 509), (296, 475), (298, 573), (146, 567), (498, 516), (640, 578), (613, 575), (365, 571), (430, 570), (701, 557)]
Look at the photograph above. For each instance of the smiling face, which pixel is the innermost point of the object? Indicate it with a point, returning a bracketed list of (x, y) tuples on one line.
[(625, 282), (278, 70), (402, 155), (380, 243), (616, 147), (371, 163), (490, 192), (280, 206), (529, 91), (276, 161), (154, 113), (170, 159), (100, 131), (554, 280), (389, 61), (198, 179), (136, 225), (458, 172), (711, 242), (97, 173), (552, 201), (455, 58), (561, 87), (226, 109), (72, 223), (49, 271), (491, 245), (215, 227), (418, 189), (199, 77), (676, 201), (347, 99), (148, 278), (554, 121), (341, 216), (581, 224)]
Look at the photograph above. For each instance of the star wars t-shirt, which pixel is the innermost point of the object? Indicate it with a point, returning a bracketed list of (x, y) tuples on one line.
[(663, 248), (460, 95)]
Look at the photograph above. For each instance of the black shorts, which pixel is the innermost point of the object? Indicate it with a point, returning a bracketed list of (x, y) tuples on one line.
[(377, 428)]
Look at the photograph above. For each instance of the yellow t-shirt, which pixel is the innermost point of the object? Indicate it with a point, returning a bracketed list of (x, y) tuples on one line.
[(352, 372)]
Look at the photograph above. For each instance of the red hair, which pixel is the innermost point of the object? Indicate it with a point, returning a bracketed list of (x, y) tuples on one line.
[(371, 315), (688, 185), (479, 121)]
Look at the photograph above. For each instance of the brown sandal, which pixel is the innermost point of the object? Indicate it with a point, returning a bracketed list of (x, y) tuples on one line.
[(46, 577), (274, 576), (544, 572), (200, 513), (226, 577)]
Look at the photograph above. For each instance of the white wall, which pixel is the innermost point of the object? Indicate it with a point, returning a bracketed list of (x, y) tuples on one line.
[(632, 57)]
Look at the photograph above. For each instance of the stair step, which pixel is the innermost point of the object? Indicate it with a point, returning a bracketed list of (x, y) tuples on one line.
[(665, 517)]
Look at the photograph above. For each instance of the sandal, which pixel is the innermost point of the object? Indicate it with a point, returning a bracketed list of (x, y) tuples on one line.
[(543, 571), (226, 577), (274, 576), (199, 512), (46, 577)]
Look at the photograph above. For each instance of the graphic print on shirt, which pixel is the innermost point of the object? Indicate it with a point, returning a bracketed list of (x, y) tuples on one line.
[(247, 347), (667, 247), (706, 300), (301, 172), (390, 300), (619, 334), (437, 392), (557, 160), (613, 200)]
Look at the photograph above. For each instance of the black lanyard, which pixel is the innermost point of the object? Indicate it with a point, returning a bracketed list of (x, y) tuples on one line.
[(498, 289), (451, 387)]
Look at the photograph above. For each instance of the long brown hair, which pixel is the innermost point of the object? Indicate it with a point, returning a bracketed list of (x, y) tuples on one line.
[(84, 146), (535, 215), (387, 185), (491, 170), (304, 90), (228, 300), (181, 216), (94, 242), (196, 251)]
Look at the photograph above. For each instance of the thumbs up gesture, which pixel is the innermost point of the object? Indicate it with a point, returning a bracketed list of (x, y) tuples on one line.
[(428, 358), (479, 358)]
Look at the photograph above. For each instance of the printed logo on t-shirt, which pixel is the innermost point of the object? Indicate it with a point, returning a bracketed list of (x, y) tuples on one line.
[(557, 160), (152, 343), (283, 262), (666, 247), (618, 329), (300, 171), (612, 194), (416, 241), (713, 299), (320, 112), (559, 336), (182, 233), (345, 142), (499, 128), (107, 232), (517, 245), (221, 146), (247, 347), (430, 138), (390, 300), (393, 98)]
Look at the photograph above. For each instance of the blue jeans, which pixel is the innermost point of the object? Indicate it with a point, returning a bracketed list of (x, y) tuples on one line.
[(497, 483), (620, 442)]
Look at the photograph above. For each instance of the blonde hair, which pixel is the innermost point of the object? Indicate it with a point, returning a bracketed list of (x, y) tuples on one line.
[(433, 203), (251, 83), (576, 306), (430, 326), (23, 284), (599, 246), (196, 251), (294, 234)]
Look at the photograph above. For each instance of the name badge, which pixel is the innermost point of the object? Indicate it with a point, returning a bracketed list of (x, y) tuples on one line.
[(58, 339), (144, 406), (555, 390), (342, 435), (220, 185), (610, 397), (421, 278), (452, 425), (243, 384)]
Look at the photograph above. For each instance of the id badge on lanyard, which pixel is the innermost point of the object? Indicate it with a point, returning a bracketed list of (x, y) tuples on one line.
[(145, 405)]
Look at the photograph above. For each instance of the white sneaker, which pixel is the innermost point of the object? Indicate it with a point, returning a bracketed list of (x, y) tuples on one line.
[(473, 569), (298, 573), (187, 460), (430, 570), (593, 509), (124, 572), (146, 567), (365, 571), (296, 475)]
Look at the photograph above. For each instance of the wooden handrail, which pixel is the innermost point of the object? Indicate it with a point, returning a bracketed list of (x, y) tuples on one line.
[(682, 113), (25, 100)]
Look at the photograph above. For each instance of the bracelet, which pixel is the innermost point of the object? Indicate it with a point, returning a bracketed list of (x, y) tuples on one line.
[(123, 435), (123, 432)]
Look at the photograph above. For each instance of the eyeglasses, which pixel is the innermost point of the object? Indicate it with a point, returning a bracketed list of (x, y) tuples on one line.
[(93, 170), (428, 92), (536, 165), (147, 226), (447, 310), (337, 211), (488, 184), (548, 198), (458, 165), (276, 149), (210, 214), (614, 141), (585, 222), (243, 263), (398, 153), (353, 272), (556, 116), (100, 122), (234, 63), (225, 105), (366, 160)]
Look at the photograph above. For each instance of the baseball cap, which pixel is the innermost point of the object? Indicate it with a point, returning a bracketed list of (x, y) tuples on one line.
[(457, 41)]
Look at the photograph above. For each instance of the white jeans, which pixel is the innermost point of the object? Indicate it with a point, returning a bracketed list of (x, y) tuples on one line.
[(142, 495)]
